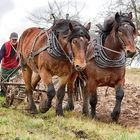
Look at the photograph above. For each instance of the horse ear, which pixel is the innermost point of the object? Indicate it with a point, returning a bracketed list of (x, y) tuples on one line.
[(117, 17), (130, 15), (88, 26)]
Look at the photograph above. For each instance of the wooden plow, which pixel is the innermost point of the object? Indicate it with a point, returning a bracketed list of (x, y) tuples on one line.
[(20, 94)]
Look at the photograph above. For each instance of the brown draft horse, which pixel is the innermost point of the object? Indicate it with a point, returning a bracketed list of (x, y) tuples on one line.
[(57, 51), (106, 66)]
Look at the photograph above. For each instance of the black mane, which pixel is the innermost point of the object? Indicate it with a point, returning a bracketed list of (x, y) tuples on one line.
[(62, 26), (111, 23)]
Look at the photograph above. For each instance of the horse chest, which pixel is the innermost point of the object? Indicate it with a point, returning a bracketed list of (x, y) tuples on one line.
[(59, 69)]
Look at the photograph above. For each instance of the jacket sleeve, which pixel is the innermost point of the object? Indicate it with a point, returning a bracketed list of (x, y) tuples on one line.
[(2, 52)]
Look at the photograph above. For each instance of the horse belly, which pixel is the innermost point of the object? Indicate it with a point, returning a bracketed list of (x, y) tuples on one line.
[(58, 67), (108, 79)]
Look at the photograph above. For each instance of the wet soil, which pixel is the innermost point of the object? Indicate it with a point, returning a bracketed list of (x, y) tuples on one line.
[(130, 109)]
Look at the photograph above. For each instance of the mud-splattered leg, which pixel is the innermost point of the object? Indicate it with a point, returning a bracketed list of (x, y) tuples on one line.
[(119, 96), (27, 73)]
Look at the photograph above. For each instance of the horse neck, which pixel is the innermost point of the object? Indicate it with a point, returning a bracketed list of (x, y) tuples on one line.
[(64, 48), (112, 42)]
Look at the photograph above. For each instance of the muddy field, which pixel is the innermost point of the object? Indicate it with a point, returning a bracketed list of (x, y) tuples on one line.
[(130, 111)]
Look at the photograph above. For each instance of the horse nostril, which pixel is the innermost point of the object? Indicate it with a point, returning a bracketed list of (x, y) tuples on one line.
[(79, 68), (130, 54)]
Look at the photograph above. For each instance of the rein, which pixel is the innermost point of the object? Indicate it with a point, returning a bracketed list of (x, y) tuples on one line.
[(109, 49), (100, 44)]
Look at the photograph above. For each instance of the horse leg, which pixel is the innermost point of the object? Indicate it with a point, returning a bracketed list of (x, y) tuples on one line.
[(119, 96), (70, 104), (45, 103), (27, 74), (92, 95), (93, 103), (35, 79), (60, 95), (76, 88), (70, 85), (85, 109)]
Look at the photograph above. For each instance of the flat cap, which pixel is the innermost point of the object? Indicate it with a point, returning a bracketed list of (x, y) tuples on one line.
[(14, 35)]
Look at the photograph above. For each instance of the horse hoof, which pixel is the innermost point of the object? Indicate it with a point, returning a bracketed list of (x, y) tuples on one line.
[(86, 113), (61, 114), (93, 116), (44, 106), (68, 107), (44, 110), (32, 111), (115, 116), (96, 118)]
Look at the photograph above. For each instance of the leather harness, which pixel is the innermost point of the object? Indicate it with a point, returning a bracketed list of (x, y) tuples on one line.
[(101, 58), (52, 46)]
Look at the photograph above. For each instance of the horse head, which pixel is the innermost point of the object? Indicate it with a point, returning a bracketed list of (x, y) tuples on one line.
[(126, 32), (74, 38)]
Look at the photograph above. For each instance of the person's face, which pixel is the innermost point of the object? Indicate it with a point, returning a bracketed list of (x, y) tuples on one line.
[(13, 41)]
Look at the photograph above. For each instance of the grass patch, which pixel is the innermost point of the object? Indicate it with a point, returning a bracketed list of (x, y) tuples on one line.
[(14, 124), (133, 74), (133, 71)]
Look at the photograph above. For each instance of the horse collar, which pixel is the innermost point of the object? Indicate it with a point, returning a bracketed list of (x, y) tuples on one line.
[(54, 48), (101, 58)]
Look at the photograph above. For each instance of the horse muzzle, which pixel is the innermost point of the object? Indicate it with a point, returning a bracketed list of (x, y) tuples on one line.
[(79, 67), (131, 48), (130, 54)]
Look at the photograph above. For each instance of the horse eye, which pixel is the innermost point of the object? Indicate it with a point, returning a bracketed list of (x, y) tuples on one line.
[(74, 41), (65, 36), (120, 32)]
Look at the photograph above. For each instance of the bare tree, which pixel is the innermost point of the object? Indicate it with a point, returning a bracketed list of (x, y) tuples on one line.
[(43, 17), (135, 6)]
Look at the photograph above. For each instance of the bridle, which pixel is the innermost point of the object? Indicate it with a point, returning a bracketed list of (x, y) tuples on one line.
[(74, 34), (120, 39)]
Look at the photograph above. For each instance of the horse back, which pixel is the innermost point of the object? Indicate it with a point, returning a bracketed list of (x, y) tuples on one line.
[(29, 42)]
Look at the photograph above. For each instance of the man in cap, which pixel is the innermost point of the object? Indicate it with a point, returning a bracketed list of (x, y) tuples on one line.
[(8, 58)]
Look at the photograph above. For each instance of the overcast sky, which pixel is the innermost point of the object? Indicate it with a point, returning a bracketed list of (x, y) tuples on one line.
[(14, 13)]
